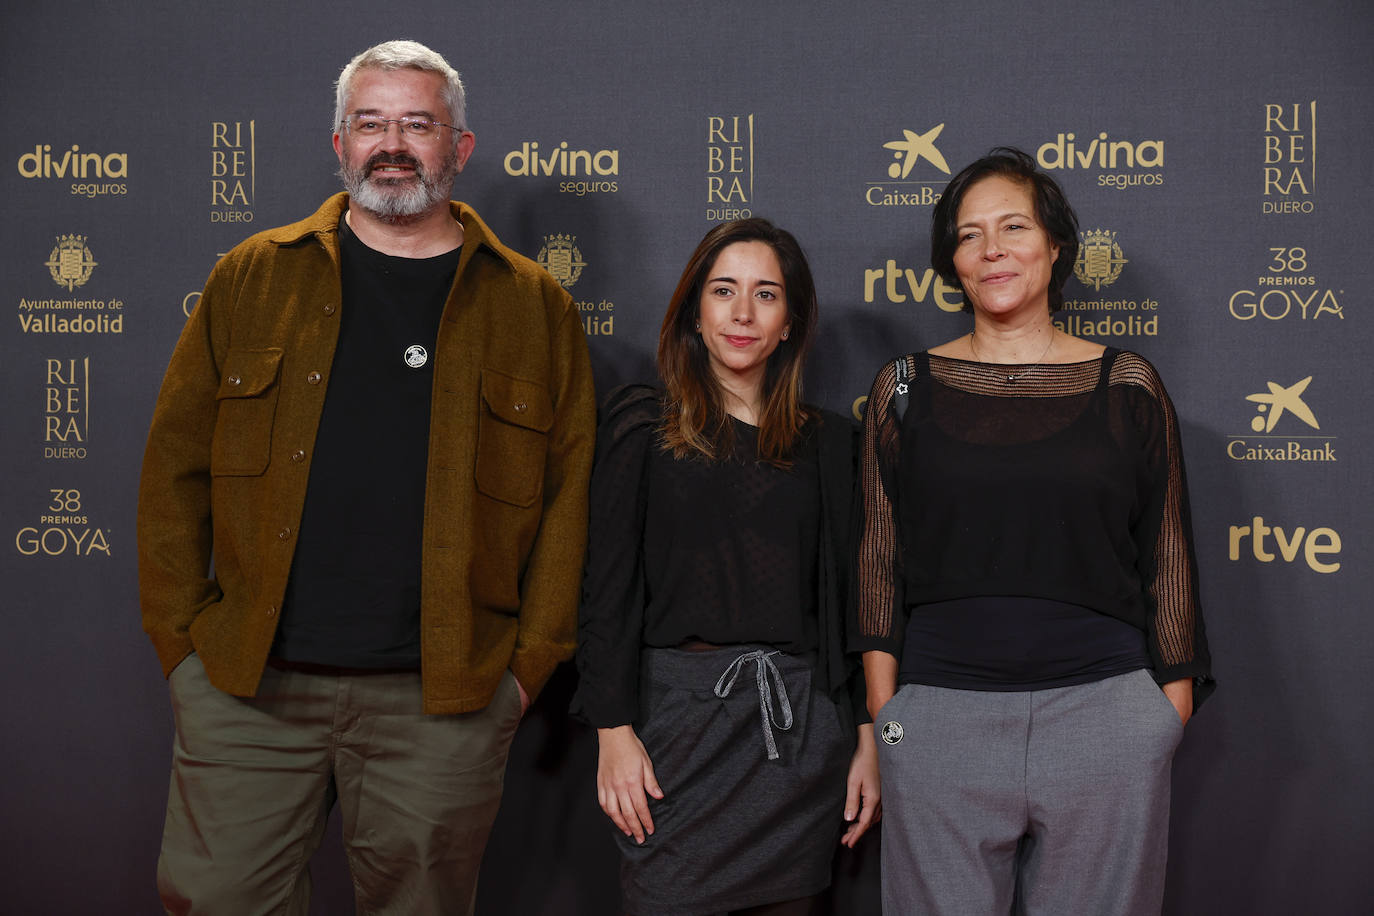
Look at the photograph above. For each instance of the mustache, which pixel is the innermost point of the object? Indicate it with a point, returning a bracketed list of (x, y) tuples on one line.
[(379, 159)]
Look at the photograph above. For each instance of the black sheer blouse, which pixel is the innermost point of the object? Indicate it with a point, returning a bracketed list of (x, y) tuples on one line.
[(1065, 484)]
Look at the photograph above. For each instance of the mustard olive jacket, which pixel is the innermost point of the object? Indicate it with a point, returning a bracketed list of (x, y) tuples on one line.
[(512, 430)]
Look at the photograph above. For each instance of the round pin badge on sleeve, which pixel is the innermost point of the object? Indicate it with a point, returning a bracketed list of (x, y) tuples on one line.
[(892, 732)]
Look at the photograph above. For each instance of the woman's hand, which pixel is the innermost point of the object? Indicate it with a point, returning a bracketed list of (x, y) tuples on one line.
[(1180, 693), (624, 774), (863, 803)]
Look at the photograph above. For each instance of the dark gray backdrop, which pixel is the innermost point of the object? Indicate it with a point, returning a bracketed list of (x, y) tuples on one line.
[(1238, 217)]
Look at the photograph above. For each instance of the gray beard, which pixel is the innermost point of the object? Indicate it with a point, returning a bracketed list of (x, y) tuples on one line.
[(395, 200)]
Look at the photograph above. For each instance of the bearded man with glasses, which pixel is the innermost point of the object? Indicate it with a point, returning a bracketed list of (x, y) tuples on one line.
[(361, 523)]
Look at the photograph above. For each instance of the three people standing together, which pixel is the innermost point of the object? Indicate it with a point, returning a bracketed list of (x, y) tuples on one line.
[(364, 511)]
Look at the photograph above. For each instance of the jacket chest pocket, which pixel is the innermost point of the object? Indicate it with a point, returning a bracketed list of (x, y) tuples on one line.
[(247, 404), (512, 437)]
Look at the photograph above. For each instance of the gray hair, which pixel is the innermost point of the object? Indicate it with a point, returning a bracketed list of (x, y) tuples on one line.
[(401, 55)]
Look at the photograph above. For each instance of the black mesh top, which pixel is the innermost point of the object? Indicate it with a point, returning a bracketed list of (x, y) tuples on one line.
[(690, 550), (1066, 483)]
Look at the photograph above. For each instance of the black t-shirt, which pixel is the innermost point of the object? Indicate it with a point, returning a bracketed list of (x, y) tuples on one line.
[(353, 598)]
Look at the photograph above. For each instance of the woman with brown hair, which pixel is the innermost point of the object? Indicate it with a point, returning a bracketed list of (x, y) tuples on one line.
[(710, 640)]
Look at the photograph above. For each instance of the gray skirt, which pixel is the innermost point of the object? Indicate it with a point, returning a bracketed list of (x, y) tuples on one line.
[(752, 759)]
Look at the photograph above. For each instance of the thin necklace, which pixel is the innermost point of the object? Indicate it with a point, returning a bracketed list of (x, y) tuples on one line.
[(1019, 375)]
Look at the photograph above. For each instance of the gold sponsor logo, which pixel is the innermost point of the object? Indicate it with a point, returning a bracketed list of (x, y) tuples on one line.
[(72, 163), (562, 259), (900, 190), (583, 171), (1099, 264), (1278, 304), (1099, 260), (71, 262), (903, 284), (912, 148), (1065, 151), (1273, 404), (66, 415), (598, 317), (1109, 326), (1277, 401), (1120, 164), (45, 163), (729, 167), (1318, 547), (233, 171), (1290, 165), (1287, 288), (62, 530)]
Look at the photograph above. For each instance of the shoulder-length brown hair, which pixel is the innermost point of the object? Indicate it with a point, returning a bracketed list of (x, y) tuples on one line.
[(695, 421)]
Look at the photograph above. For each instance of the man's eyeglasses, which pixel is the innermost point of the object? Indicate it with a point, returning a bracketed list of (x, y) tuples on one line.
[(412, 128)]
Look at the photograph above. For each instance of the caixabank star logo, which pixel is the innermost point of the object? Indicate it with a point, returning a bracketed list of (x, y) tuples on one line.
[(1283, 428), (914, 148)]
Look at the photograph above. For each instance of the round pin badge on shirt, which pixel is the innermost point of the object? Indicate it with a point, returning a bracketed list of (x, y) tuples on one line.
[(892, 732), (416, 356)]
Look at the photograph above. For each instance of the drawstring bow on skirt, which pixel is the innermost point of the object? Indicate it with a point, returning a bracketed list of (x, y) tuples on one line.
[(763, 670)]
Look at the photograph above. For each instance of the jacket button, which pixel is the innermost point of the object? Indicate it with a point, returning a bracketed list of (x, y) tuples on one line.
[(272, 611), (234, 380), (521, 406), (329, 309), (298, 455), (284, 533), (314, 378)]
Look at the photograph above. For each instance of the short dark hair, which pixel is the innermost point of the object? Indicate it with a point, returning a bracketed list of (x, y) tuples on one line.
[(1052, 211)]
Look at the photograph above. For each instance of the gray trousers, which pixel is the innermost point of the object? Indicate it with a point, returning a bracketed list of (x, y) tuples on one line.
[(1046, 802), (253, 781)]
